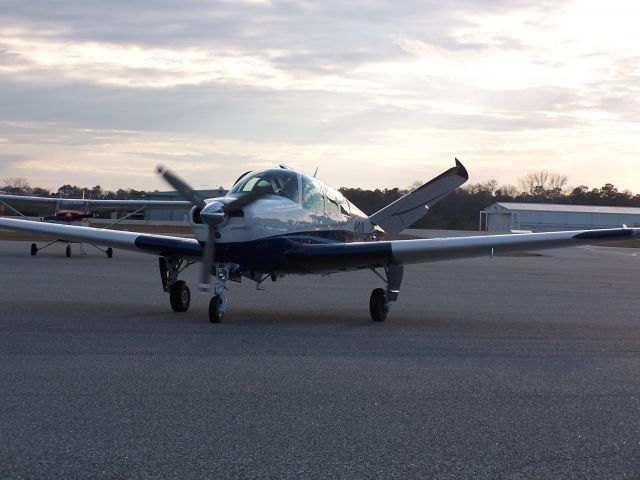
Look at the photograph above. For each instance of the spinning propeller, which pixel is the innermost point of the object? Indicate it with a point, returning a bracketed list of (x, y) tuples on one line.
[(214, 214)]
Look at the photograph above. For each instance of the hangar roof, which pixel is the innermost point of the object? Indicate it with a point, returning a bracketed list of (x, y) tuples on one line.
[(555, 207)]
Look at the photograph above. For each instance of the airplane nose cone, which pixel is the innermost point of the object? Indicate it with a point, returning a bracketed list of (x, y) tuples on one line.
[(212, 214)]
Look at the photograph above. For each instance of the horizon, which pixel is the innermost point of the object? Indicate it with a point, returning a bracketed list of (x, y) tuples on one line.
[(566, 190), (378, 95)]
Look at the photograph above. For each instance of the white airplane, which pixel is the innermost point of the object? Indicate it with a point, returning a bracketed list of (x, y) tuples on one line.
[(76, 211), (276, 222)]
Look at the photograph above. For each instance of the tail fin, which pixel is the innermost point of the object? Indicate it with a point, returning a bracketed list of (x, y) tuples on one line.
[(414, 205)]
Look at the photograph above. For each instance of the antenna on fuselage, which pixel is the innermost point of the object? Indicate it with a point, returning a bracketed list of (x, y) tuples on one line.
[(316, 172)]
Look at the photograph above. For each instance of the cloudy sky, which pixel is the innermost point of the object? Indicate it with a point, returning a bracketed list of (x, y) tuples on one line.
[(375, 93)]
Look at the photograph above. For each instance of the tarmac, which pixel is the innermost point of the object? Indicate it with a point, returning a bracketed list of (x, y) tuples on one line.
[(510, 368)]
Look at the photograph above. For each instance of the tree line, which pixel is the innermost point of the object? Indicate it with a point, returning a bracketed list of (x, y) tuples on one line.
[(458, 210)]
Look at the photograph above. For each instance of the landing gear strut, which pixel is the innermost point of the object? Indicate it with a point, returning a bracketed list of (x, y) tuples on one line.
[(380, 300), (218, 302), (179, 293)]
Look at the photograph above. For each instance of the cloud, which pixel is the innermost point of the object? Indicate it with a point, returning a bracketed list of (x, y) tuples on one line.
[(231, 85)]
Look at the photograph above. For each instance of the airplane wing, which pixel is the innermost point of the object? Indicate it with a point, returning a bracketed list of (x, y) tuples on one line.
[(348, 256), (337, 257), (163, 245), (97, 203)]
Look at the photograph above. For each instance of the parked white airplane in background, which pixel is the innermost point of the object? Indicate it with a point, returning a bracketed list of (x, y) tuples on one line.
[(76, 211), (278, 221)]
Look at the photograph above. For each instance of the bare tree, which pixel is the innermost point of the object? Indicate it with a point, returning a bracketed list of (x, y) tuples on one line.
[(542, 181), (491, 186), (17, 185), (507, 191)]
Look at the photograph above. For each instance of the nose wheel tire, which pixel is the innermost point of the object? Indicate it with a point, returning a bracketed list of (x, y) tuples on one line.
[(216, 309), (378, 305), (34, 249), (179, 296), (109, 252), (67, 251)]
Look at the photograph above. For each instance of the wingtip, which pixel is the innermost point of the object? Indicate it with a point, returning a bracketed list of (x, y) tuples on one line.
[(161, 169), (462, 171)]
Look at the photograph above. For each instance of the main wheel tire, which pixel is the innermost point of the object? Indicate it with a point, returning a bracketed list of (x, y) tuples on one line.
[(109, 252), (180, 296), (34, 249), (67, 251), (216, 313), (378, 305)]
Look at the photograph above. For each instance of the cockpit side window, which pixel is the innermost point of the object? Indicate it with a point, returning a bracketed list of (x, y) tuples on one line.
[(312, 195), (278, 182), (332, 205), (344, 206)]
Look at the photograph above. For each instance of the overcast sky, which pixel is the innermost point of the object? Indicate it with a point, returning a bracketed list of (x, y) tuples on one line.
[(374, 93)]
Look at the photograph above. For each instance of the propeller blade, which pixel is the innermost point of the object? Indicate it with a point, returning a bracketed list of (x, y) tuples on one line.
[(207, 260), (181, 186)]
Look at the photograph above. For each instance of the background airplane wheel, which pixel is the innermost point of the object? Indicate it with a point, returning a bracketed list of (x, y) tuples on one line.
[(109, 252), (378, 305), (215, 309), (67, 251), (180, 296), (34, 249)]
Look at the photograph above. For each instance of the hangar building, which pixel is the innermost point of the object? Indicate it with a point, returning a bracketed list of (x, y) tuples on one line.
[(176, 214), (540, 217)]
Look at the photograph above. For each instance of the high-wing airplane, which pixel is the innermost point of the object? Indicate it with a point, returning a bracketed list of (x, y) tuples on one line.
[(76, 211), (277, 221)]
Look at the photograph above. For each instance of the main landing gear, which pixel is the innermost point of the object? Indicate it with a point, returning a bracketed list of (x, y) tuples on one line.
[(67, 251), (179, 293), (381, 298), (179, 296)]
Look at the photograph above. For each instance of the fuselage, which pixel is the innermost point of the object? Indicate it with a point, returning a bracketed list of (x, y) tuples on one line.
[(298, 210), (69, 217)]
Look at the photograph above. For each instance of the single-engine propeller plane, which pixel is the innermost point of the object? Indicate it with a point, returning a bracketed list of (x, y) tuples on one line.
[(278, 221)]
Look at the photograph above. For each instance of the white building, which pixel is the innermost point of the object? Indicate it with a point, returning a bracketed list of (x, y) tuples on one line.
[(540, 217)]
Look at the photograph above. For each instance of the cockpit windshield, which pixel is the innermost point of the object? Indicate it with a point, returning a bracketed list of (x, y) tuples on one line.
[(277, 181)]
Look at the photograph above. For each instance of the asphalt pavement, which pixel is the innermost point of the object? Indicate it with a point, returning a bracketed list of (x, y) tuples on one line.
[(510, 368)]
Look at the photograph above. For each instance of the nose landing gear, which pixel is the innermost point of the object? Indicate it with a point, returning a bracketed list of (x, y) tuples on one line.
[(217, 306)]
